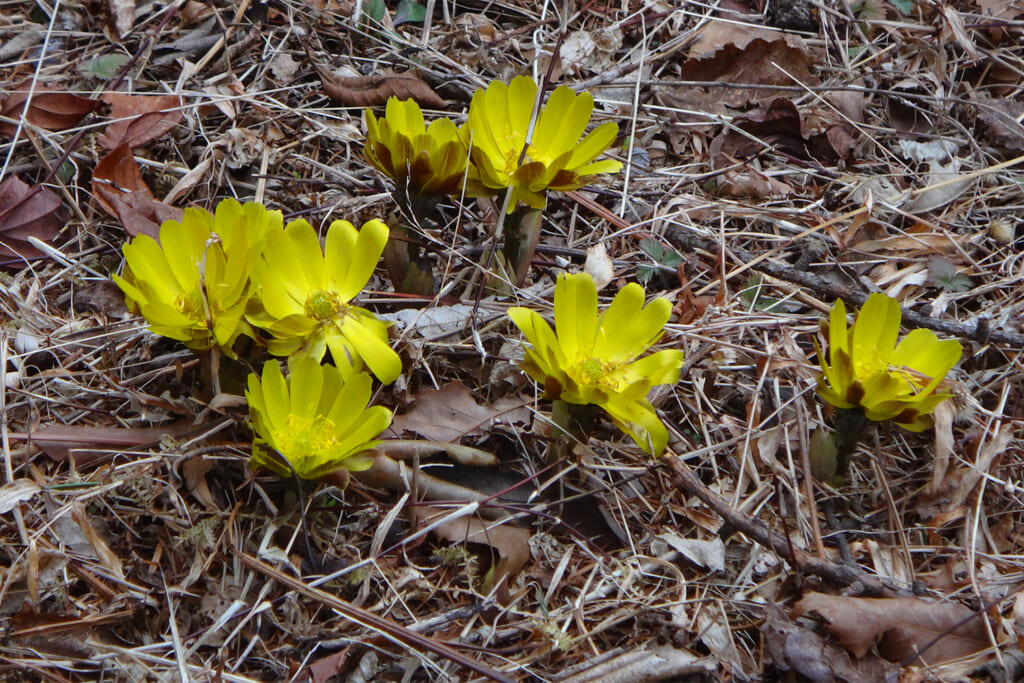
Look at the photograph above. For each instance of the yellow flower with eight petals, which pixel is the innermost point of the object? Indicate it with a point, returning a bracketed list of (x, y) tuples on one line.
[(195, 283), (424, 160), (317, 419), (499, 120), (592, 359), (867, 369), (305, 296)]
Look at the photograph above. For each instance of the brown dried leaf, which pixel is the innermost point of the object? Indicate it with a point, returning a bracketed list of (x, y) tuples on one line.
[(139, 118), (49, 109), (14, 493), (326, 668), (781, 126), (93, 443), (451, 412), (123, 12), (902, 627), (375, 89), (107, 557), (793, 648), (27, 212), (758, 62), (119, 188), (194, 470), (997, 13), (999, 121), (512, 543)]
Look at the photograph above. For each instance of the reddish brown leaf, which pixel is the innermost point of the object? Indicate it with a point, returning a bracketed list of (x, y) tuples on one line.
[(139, 118), (49, 109), (27, 212), (902, 627), (119, 188), (93, 443), (326, 668)]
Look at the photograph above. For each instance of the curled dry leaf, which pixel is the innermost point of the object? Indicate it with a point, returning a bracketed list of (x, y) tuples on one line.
[(49, 109), (138, 119), (512, 543), (119, 188), (902, 627), (16, 492), (375, 89), (647, 664), (27, 212)]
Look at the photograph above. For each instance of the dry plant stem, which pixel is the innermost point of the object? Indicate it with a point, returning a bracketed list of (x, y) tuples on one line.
[(686, 240), (688, 482), (389, 629)]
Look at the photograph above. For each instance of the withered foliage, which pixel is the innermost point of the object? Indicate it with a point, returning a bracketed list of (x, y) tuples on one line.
[(778, 158)]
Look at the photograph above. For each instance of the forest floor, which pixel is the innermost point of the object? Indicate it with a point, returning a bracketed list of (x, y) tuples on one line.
[(776, 158)]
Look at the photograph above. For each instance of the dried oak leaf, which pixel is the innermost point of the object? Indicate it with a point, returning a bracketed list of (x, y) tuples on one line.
[(49, 109), (27, 212), (139, 118), (119, 188), (375, 89), (451, 412), (902, 627), (758, 62)]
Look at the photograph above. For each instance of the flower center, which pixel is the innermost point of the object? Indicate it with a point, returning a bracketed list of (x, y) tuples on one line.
[(304, 437), (594, 372), (190, 304), (325, 305)]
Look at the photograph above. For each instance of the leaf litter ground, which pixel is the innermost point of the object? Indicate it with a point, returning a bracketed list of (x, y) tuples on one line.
[(779, 159)]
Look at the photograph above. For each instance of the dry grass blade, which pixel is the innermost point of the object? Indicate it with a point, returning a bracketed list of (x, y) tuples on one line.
[(391, 630)]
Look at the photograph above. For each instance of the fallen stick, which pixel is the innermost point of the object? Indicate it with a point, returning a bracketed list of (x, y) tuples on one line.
[(756, 530)]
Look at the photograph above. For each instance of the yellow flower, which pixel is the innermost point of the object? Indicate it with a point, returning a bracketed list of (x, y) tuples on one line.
[(305, 296), (591, 359), (889, 381), (425, 160), (317, 419), (194, 284), (499, 119)]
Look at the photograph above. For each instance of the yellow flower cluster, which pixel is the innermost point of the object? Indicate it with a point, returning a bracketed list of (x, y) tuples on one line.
[(214, 277), (240, 271), (493, 150)]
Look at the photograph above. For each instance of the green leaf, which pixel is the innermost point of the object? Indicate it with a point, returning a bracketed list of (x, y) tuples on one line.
[(103, 67), (943, 274), (658, 253), (410, 11), (374, 10), (752, 298), (905, 7)]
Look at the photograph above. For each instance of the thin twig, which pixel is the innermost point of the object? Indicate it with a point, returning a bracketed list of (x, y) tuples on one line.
[(688, 482)]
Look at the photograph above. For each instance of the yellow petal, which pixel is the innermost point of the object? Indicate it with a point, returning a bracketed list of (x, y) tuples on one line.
[(576, 313)]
